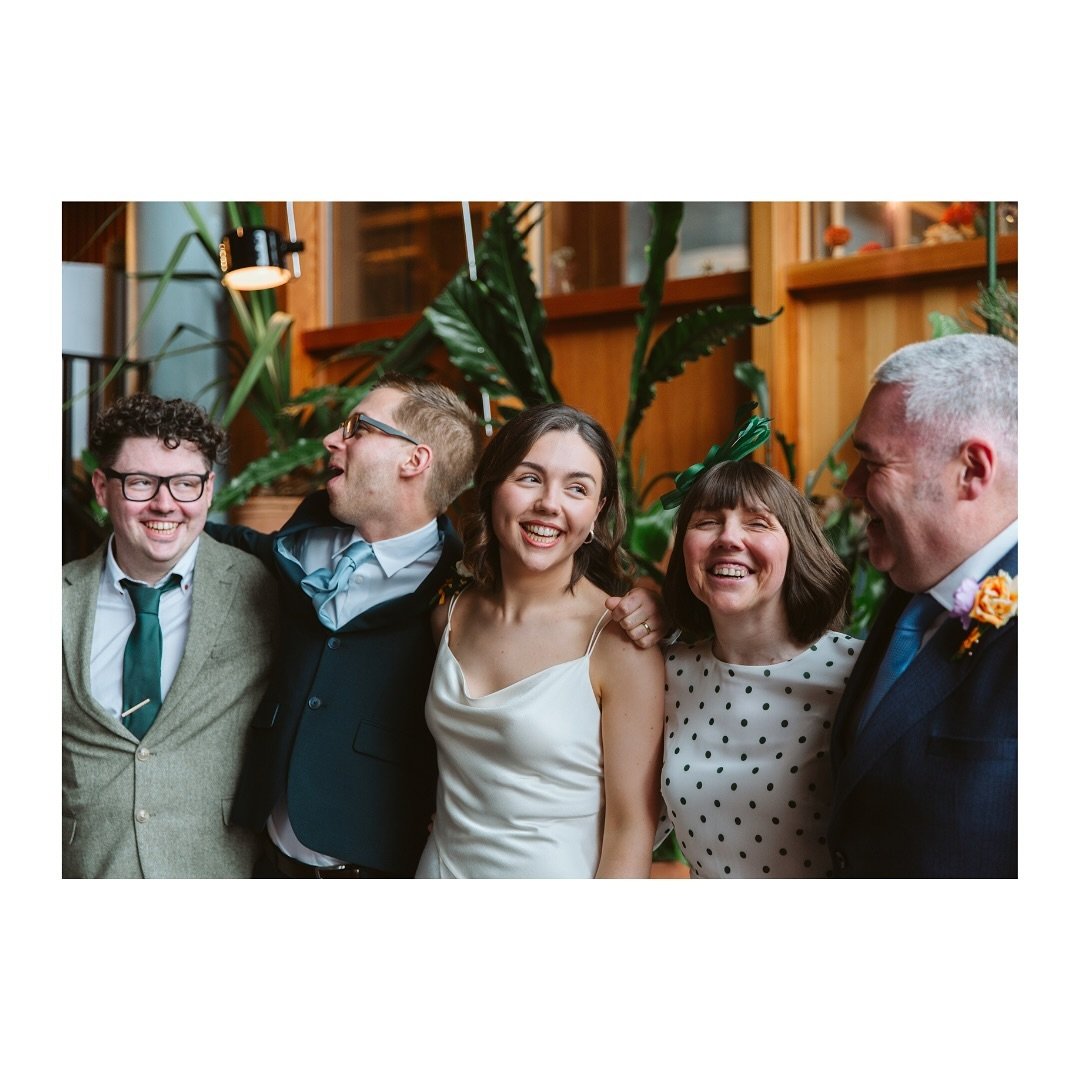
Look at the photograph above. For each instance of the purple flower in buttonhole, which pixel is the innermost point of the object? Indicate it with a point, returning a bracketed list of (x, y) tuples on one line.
[(964, 601)]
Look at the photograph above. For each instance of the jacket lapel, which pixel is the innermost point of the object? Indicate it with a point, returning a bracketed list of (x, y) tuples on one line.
[(932, 676), (82, 580), (212, 598)]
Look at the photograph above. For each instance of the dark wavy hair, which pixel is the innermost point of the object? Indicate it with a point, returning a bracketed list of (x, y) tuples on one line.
[(146, 416), (602, 561), (815, 589)]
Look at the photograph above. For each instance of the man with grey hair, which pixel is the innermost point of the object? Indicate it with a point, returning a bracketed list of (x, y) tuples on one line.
[(924, 745)]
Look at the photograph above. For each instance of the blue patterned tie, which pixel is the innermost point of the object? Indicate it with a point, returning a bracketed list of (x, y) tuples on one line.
[(322, 585), (142, 657), (920, 612)]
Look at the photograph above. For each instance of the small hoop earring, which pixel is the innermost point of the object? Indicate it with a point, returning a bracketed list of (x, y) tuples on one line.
[(590, 538)]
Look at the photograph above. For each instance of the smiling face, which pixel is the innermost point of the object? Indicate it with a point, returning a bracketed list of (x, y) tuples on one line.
[(903, 485), (150, 538), (365, 469), (736, 561), (543, 511)]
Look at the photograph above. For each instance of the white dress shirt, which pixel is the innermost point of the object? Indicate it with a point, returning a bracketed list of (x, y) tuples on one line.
[(398, 567), (114, 618), (985, 561)]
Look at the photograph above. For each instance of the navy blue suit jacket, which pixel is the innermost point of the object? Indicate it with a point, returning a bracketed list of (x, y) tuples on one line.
[(341, 728), (928, 788)]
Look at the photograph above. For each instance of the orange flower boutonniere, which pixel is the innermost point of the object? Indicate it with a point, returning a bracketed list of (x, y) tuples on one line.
[(983, 605), (458, 579)]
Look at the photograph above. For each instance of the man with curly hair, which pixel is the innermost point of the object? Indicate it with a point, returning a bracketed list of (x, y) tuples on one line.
[(167, 643)]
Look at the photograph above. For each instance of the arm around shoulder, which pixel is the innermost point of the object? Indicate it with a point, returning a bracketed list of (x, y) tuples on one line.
[(261, 545)]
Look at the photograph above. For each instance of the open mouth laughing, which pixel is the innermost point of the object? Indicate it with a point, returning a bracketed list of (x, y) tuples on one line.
[(728, 570), (537, 533)]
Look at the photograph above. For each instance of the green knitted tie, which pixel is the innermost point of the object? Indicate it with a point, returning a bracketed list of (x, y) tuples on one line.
[(142, 657)]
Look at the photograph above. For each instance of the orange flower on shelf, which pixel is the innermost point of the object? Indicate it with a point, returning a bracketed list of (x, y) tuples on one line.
[(960, 214), (870, 245), (837, 236)]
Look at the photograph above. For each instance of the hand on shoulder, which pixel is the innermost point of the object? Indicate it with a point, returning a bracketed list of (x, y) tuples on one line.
[(641, 615)]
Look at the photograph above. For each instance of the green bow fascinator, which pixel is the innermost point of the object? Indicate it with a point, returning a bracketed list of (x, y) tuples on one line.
[(750, 432)]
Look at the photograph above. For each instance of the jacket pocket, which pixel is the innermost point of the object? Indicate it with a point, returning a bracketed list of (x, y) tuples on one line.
[(380, 742)]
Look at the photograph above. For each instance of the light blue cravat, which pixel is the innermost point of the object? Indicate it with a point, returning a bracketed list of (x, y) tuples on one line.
[(322, 585), (920, 612)]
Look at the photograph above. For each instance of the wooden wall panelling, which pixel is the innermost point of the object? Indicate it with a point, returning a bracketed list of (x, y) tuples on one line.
[(591, 363), (849, 317), (305, 297), (774, 245)]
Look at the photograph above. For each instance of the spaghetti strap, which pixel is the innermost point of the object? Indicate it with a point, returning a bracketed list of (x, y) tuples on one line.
[(599, 629), (453, 602)]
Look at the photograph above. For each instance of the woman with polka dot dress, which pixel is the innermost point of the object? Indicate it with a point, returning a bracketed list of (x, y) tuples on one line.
[(753, 684)]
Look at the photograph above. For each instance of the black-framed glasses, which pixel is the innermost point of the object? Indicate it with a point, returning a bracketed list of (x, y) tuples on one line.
[(142, 487), (360, 420)]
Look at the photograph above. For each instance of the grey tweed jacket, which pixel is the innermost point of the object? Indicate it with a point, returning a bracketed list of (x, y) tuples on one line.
[(160, 807)]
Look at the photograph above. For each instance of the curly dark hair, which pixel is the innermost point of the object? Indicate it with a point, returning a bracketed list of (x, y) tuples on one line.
[(815, 589), (146, 416), (602, 561)]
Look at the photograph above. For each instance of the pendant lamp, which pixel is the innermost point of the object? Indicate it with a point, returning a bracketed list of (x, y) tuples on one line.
[(255, 257)]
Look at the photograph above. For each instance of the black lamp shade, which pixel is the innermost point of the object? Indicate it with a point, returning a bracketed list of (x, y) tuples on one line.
[(254, 258)]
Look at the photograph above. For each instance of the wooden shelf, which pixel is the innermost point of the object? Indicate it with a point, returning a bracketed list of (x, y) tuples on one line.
[(891, 264), (589, 303)]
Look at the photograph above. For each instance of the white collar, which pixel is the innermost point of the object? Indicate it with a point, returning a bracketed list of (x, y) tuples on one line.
[(185, 567), (977, 566), (399, 551)]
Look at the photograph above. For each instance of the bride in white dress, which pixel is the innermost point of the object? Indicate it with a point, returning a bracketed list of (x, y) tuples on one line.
[(547, 719)]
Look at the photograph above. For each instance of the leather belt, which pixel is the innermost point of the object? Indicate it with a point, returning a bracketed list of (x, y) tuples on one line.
[(294, 868)]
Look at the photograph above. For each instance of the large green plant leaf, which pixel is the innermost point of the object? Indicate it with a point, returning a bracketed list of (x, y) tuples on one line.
[(266, 470), (261, 357), (504, 269), (667, 217), (480, 341), (688, 338), (649, 534)]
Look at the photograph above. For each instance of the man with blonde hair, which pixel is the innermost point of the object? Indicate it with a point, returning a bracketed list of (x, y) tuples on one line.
[(341, 771)]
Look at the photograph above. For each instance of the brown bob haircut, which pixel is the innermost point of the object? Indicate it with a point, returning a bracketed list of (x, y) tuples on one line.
[(815, 589), (602, 561)]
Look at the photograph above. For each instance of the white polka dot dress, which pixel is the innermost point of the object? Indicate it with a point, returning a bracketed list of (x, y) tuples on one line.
[(746, 779)]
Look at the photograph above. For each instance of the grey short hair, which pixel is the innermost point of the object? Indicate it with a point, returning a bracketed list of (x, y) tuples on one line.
[(957, 386)]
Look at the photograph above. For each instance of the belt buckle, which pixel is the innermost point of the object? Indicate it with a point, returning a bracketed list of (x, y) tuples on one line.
[(341, 870)]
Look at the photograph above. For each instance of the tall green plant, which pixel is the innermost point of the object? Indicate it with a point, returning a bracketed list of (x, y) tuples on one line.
[(492, 328)]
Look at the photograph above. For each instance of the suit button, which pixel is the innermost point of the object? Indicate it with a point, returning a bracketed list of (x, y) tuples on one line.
[(840, 859), (142, 753), (314, 703), (142, 816), (334, 643)]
